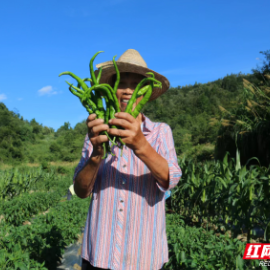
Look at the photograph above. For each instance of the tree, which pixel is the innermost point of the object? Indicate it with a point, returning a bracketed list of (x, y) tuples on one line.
[(230, 83), (63, 129), (260, 72)]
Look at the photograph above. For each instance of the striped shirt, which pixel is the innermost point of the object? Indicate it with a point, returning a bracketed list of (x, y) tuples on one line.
[(125, 227)]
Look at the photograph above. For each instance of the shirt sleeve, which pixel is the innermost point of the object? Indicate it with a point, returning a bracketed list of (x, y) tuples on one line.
[(166, 150), (86, 153)]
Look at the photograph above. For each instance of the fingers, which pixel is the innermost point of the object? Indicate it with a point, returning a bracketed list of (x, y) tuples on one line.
[(121, 122), (99, 128), (123, 115), (119, 132), (95, 126), (99, 139), (97, 143), (91, 117), (123, 119)]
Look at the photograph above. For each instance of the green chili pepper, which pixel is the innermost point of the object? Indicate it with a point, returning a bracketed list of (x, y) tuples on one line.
[(99, 75), (142, 91), (79, 96), (92, 98), (111, 107), (115, 100), (79, 80), (74, 91), (117, 76), (85, 97), (134, 95), (140, 105), (92, 73)]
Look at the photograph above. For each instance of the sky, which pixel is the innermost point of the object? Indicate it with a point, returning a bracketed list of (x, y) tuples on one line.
[(186, 41)]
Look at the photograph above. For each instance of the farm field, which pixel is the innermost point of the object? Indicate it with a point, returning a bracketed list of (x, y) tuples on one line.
[(37, 220), (217, 204), (193, 78), (221, 136), (218, 207)]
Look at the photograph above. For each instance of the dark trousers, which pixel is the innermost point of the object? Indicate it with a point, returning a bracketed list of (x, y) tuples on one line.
[(87, 266)]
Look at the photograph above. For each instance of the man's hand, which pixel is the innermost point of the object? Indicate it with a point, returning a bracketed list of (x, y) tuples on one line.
[(86, 178), (95, 127), (132, 135)]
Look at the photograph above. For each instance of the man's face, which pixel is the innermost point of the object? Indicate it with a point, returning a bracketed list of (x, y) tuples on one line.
[(128, 82)]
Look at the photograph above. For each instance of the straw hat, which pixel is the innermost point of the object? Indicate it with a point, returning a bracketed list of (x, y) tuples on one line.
[(131, 61)]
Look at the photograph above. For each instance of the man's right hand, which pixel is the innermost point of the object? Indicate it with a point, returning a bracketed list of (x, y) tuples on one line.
[(95, 127)]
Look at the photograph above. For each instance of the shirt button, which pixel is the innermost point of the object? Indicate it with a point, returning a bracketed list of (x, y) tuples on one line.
[(121, 210), (123, 182), (121, 201), (124, 166)]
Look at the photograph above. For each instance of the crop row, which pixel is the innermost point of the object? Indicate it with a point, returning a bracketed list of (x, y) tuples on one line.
[(224, 191), (22, 208), (199, 248), (15, 182), (45, 239)]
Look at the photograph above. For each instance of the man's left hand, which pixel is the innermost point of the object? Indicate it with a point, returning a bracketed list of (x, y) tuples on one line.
[(132, 135)]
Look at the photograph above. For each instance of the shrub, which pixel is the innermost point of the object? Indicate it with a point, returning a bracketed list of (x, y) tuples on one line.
[(45, 165), (197, 248), (55, 148), (62, 170)]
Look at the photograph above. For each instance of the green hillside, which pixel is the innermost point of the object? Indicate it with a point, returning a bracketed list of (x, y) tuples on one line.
[(187, 110), (24, 141), (194, 112)]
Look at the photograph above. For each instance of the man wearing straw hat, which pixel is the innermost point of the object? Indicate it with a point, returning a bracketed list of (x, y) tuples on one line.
[(125, 226)]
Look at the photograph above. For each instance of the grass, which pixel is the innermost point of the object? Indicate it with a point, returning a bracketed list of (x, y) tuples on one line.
[(5, 166), (203, 151), (64, 163), (31, 165)]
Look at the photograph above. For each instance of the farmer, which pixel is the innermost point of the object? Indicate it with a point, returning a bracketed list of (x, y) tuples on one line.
[(125, 226)]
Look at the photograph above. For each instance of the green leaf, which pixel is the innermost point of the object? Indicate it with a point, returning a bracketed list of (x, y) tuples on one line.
[(239, 262), (20, 265), (238, 163)]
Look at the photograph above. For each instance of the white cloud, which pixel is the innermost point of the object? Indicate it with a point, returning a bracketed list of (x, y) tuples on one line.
[(46, 90), (3, 97), (20, 99), (257, 58)]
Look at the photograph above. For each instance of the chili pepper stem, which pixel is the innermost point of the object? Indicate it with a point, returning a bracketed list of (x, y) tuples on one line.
[(104, 150), (107, 134), (121, 141)]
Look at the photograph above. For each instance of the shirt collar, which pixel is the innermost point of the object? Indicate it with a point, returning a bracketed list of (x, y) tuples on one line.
[(148, 125)]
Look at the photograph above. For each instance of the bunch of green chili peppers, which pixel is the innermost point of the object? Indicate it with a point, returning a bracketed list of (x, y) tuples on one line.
[(92, 98)]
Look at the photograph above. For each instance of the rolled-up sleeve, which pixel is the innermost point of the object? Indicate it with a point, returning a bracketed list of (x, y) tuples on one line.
[(86, 153), (166, 150)]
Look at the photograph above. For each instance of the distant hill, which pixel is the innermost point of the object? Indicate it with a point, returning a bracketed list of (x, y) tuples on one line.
[(24, 141), (187, 109)]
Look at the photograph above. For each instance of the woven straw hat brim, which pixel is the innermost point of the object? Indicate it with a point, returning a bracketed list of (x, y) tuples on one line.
[(108, 71)]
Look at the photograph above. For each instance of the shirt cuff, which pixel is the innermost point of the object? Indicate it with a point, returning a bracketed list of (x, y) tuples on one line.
[(175, 174)]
